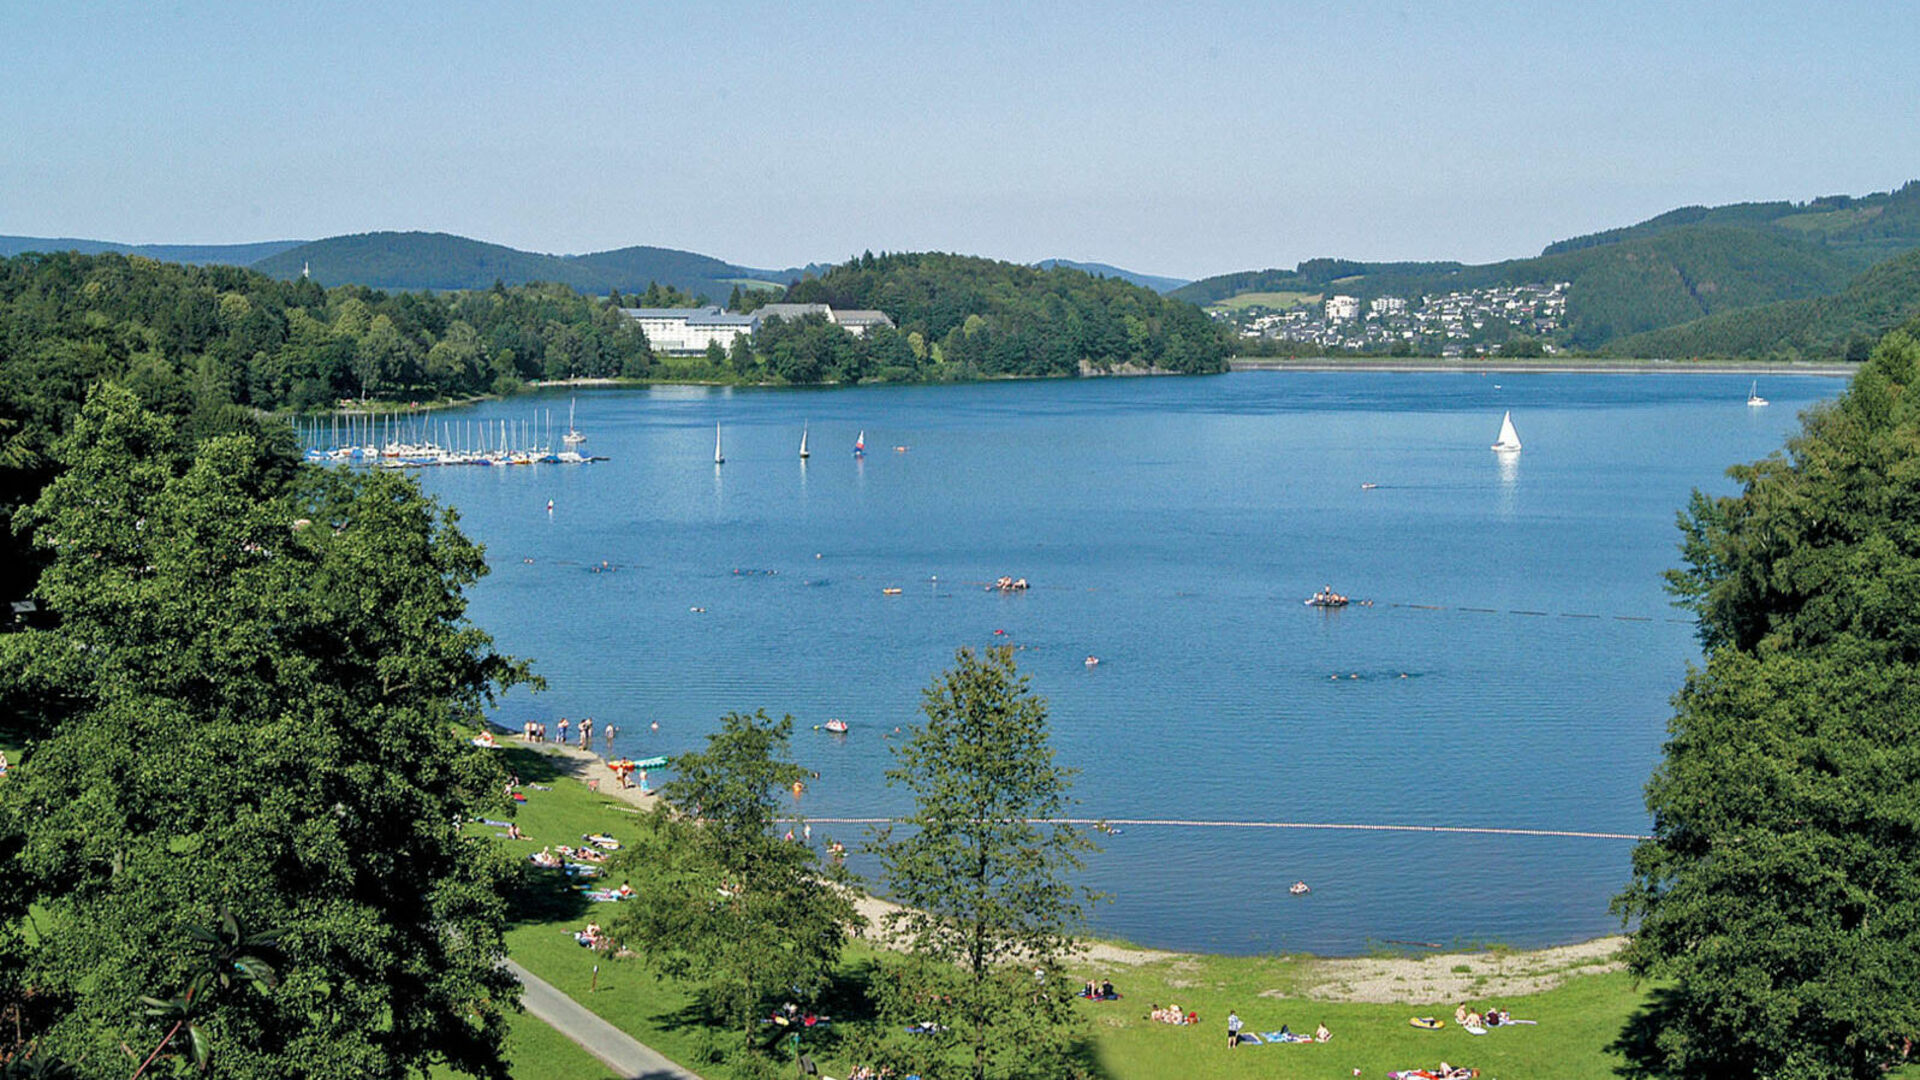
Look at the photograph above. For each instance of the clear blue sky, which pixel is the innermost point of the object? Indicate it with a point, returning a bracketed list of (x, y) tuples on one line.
[(1173, 138)]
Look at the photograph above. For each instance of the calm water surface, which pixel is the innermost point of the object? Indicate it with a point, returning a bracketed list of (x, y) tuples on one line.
[(1172, 528)]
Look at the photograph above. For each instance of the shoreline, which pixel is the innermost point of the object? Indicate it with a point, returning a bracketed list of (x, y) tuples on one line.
[(1385, 365), (1435, 973), (1585, 366)]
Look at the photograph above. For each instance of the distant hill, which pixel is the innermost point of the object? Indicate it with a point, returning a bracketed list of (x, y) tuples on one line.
[(1682, 266), (1155, 282), (1843, 325), (1864, 230), (191, 254), (441, 261)]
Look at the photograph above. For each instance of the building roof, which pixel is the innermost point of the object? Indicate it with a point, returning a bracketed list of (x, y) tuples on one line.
[(792, 311), (861, 318), (701, 316)]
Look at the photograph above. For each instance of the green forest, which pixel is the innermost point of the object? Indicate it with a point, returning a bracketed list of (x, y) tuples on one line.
[(1777, 901), (999, 318), (1695, 269), (1841, 325)]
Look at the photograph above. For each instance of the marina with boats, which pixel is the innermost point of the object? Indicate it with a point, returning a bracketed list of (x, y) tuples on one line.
[(413, 441)]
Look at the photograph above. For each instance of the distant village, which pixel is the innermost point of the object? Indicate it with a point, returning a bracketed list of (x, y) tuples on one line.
[(1450, 324)]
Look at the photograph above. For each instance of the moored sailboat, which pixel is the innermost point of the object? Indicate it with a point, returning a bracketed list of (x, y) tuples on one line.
[(718, 457), (1754, 400), (574, 436)]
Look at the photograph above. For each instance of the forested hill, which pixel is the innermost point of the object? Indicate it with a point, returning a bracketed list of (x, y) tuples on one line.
[(1000, 318), (193, 254), (1678, 267), (1843, 325), (1152, 281), (441, 261), (1865, 229)]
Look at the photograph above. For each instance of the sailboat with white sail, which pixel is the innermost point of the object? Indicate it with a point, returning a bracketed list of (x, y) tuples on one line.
[(1754, 400), (574, 436), (860, 444), (804, 452), (1509, 441), (718, 457)]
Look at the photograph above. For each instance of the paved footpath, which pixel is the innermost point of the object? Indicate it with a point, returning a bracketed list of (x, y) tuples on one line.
[(619, 1051)]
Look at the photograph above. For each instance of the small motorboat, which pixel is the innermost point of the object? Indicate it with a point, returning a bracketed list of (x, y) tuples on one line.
[(836, 725), (1299, 888), (890, 591), (1327, 598), (1368, 486)]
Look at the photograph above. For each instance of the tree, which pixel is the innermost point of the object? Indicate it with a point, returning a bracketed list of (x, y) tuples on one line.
[(1779, 897), (981, 870), (720, 899), (250, 700)]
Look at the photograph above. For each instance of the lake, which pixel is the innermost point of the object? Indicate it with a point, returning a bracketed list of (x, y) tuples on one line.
[(1512, 672)]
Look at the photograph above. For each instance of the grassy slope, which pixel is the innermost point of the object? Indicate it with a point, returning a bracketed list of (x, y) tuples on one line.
[(1577, 1021), (1279, 301)]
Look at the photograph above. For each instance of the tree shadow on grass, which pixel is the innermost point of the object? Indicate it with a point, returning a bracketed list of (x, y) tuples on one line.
[(532, 766), (1639, 1041), (545, 896)]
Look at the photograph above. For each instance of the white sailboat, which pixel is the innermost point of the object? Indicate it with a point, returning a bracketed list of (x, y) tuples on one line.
[(804, 453), (573, 437), (1509, 441), (718, 457), (1754, 400), (860, 444)]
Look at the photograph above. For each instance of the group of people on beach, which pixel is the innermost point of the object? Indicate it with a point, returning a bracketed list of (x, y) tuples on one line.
[(1321, 1033), (1172, 1014), (1100, 991), (534, 731), (1466, 1016)]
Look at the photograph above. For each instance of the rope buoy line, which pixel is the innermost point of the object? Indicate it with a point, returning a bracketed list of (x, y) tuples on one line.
[(1385, 603), (1174, 823)]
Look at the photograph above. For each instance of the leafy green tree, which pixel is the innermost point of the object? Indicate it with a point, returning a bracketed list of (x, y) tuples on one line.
[(1779, 897), (982, 871), (722, 900), (251, 699)]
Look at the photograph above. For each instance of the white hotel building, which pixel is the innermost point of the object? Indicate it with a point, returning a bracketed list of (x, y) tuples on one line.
[(688, 330)]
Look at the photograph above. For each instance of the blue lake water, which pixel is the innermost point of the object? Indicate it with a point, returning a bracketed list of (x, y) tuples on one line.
[(1171, 527)]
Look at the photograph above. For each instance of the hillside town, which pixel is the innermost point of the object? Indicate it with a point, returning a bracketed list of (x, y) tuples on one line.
[(1448, 324)]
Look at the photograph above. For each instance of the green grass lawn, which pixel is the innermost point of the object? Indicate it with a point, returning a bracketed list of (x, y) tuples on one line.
[(1578, 1020), (537, 1052), (1279, 301)]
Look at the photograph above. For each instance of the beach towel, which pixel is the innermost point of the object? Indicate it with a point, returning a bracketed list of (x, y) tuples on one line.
[(1286, 1037)]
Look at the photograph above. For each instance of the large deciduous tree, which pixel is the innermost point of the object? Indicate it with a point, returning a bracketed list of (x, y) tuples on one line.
[(721, 898), (250, 704), (982, 871), (1780, 894)]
